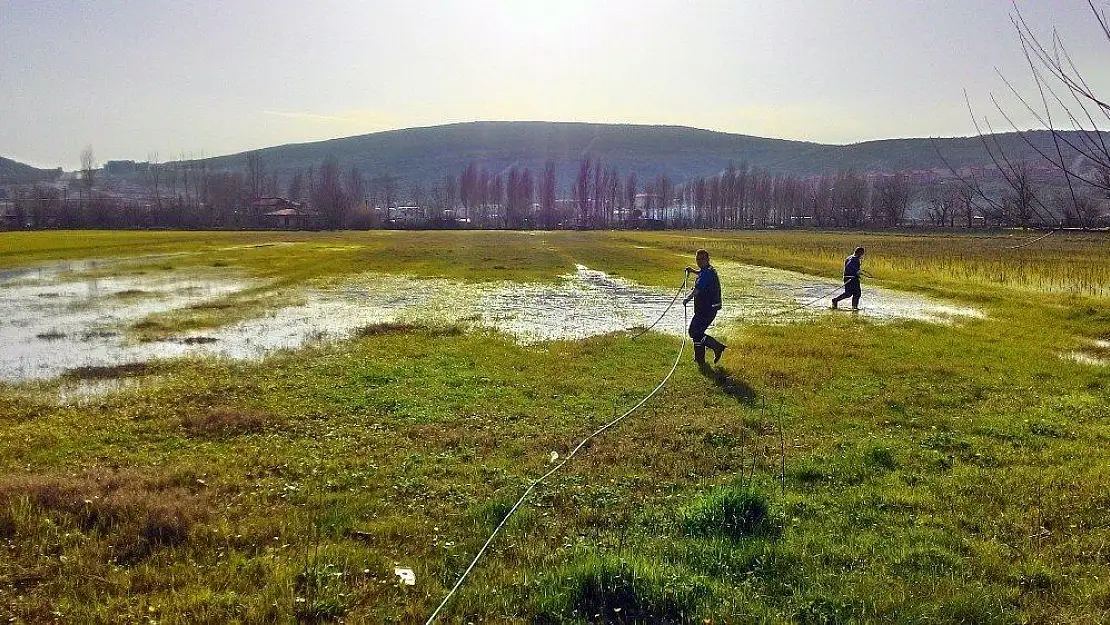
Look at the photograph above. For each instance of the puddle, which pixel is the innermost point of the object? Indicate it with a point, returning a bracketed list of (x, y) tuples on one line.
[(50, 325), (589, 303), (795, 289), (1084, 358), (1096, 354), (583, 304)]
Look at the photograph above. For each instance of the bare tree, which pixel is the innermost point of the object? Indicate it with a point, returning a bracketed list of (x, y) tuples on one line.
[(1088, 210), (582, 191), (965, 204), (547, 196), (385, 190), (664, 190), (1068, 107), (942, 203), (630, 192), (295, 191), (329, 198), (599, 217), (153, 174), (850, 195), (256, 174), (88, 167), (1020, 201), (469, 194), (416, 194), (356, 186), (892, 197)]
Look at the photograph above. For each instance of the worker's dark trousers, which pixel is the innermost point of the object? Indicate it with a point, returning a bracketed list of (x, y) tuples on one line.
[(851, 289), (698, 325)]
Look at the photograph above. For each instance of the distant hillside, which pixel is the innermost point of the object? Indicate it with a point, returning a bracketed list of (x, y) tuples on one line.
[(426, 154), (14, 172)]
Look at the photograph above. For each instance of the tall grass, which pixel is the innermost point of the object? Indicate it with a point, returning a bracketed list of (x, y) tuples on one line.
[(1063, 263)]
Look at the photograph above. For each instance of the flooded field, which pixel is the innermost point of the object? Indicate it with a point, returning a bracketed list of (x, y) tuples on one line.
[(52, 323), (266, 426), (57, 320)]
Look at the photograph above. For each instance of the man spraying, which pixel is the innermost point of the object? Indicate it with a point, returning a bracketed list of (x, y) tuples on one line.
[(707, 301), (853, 267)]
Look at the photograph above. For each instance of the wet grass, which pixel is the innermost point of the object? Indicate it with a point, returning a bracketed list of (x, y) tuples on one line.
[(125, 370), (225, 420), (225, 310), (933, 474), (395, 327)]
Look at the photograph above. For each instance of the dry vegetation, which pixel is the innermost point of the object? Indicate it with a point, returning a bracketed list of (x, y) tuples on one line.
[(129, 514), (225, 420)]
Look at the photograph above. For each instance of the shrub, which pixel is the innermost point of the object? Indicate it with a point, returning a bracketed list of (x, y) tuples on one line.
[(225, 420), (607, 590), (882, 457), (735, 513)]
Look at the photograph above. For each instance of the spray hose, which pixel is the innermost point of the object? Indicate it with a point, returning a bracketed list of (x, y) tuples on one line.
[(563, 463)]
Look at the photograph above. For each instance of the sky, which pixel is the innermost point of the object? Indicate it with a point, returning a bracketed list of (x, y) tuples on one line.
[(159, 79)]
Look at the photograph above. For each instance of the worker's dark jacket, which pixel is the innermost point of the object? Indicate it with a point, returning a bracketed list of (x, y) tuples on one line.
[(852, 266), (708, 287), (706, 303)]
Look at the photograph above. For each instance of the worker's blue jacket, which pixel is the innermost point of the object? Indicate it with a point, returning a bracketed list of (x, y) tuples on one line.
[(852, 266), (708, 287)]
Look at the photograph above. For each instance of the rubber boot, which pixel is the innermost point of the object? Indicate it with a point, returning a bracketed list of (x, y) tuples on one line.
[(715, 345), (699, 353)]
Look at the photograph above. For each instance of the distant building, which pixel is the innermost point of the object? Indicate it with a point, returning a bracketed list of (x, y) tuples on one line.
[(293, 219), (645, 201), (406, 215), (263, 204), (285, 214)]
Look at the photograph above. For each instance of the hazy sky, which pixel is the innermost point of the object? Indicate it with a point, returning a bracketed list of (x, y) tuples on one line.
[(217, 76)]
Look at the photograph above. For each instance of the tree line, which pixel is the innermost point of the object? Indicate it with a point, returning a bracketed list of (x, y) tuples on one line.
[(187, 194)]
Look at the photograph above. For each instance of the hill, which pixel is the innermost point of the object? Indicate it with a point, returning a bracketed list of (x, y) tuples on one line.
[(14, 172), (426, 154)]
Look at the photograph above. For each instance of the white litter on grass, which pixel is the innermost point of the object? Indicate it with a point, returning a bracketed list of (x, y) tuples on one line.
[(554, 457), (408, 577)]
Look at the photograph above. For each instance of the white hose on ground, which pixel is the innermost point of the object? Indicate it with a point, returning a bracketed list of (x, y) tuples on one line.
[(538, 481)]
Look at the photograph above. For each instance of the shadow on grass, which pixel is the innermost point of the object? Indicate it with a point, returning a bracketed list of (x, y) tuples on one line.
[(736, 389)]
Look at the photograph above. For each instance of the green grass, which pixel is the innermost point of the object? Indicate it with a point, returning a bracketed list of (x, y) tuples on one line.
[(934, 474)]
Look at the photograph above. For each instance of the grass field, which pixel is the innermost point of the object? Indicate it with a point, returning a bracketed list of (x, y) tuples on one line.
[(828, 471)]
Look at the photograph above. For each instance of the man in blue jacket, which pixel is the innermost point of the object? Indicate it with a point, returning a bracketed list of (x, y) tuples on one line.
[(853, 266), (707, 301)]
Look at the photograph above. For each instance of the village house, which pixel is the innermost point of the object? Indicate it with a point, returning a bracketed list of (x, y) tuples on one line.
[(281, 213)]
